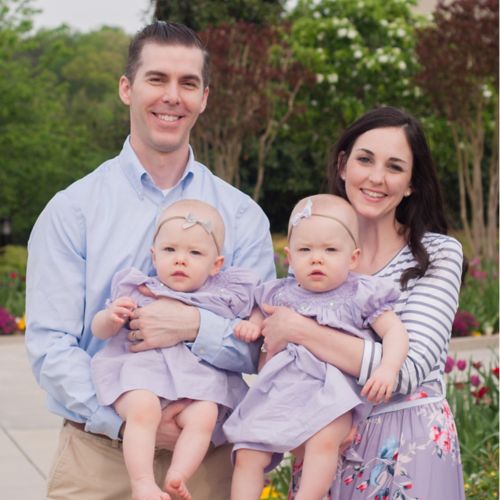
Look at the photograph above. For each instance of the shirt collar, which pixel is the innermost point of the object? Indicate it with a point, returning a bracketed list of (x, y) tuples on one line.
[(140, 178)]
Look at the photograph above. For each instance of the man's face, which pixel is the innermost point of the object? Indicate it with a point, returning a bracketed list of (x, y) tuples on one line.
[(165, 98)]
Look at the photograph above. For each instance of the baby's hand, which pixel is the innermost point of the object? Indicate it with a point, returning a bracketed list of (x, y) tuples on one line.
[(120, 310), (247, 331), (380, 385)]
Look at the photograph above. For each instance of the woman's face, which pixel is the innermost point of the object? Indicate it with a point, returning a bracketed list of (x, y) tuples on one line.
[(378, 172)]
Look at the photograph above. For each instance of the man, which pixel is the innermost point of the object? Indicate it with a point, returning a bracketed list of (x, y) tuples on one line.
[(103, 223)]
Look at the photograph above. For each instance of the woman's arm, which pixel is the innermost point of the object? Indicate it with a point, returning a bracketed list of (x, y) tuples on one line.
[(428, 312), (427, 315)]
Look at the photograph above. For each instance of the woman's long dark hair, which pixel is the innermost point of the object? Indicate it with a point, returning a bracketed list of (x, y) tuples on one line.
[(423, 210)]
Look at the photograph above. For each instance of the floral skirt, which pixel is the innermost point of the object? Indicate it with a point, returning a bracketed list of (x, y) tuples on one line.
[(407, 454)]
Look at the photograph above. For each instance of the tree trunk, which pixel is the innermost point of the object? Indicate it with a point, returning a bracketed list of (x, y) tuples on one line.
[(492, 223), (462, 173)]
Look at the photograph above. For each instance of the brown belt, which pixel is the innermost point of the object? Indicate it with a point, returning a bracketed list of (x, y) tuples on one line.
[(81, 427)]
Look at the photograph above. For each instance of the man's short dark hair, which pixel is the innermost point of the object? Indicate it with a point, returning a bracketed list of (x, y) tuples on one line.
[(165, 33)]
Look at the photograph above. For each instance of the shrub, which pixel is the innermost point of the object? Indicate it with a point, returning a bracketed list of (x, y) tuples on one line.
[(13, 279), (7, 322), (473, 397), (479, 295)]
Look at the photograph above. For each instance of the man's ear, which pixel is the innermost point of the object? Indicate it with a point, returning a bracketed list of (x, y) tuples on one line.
[(219, 262), (124, 86), (354, 259), (206, 91)]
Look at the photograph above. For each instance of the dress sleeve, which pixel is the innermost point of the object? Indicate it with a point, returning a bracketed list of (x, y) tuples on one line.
[(126, 281), (375, 296), (241, 286), (428, 316), (265, 292)]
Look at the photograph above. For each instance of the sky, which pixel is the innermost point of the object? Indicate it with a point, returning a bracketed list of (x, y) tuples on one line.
[(89, 15)]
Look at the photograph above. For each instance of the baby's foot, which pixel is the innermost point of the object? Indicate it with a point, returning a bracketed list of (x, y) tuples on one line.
[(146, 489), (176, 486)]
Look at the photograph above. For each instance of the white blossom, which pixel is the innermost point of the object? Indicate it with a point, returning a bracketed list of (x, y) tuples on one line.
[(342, 32), (402, 65), (487, 93), (351, 34), (320, 78), (400, 32), (383, 58), (333, 78), (358, 54)]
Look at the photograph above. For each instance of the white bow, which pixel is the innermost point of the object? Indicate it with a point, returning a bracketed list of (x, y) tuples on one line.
[(305, 213)]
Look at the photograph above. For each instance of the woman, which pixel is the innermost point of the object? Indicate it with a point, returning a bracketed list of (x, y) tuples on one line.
[(407, 448)]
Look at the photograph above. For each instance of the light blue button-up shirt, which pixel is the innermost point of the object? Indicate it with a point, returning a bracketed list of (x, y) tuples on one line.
[(97, 226)]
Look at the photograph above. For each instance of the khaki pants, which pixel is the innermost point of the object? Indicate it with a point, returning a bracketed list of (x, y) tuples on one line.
[(89, 467)]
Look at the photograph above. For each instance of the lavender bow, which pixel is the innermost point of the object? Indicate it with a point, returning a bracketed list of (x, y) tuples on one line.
[(191, 220)]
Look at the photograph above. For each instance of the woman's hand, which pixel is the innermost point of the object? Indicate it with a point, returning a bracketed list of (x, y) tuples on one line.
[(163, 323), (282, 326)]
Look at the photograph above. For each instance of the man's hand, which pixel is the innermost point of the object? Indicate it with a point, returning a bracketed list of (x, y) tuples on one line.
[(247, 331), (163, 323), (168, 430)]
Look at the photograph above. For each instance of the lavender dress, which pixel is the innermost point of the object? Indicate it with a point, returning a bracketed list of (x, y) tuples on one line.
[(408, 449), (175, 372), (296, 395)]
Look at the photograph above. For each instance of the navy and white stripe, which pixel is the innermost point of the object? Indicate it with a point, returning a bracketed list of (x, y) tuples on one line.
[(427, 308)]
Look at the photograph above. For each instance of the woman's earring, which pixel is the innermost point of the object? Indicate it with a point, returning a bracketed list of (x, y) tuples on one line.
[(408, 192)]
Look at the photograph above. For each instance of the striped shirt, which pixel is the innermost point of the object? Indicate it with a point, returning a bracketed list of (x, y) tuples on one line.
[(427, 308)]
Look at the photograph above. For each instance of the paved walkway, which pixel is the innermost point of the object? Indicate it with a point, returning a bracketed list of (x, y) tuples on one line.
[(29, 433)]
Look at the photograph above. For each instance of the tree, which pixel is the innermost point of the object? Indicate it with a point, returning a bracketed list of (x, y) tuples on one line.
[(60, 115), (362, 54), (255, 82), (202, 14), (31, 119), (459, 58)]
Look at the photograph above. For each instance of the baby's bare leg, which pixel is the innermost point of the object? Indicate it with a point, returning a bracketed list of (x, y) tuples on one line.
[(248, 474), (197, 422), (141, 411), (320, 459)]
